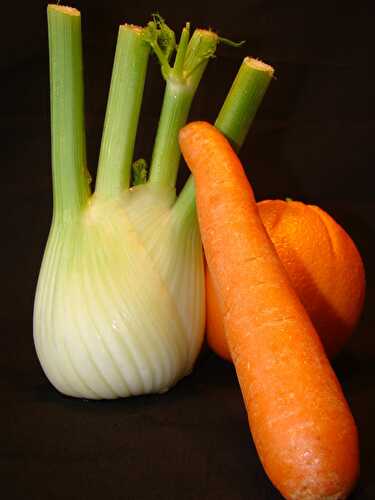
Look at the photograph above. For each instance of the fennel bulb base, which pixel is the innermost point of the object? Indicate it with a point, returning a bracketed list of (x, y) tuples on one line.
[(119, 307)]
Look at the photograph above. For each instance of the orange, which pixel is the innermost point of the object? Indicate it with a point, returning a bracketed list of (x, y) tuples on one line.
[(323, 264)]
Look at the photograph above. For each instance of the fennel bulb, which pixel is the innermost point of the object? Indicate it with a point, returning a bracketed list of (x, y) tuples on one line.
[(119, 307), (120, 302)]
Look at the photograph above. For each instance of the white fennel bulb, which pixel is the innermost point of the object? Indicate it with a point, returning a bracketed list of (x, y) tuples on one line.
[(119, 308), (120, 301)]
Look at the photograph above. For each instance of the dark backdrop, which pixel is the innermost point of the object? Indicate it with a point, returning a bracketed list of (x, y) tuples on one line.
[(312, 140)]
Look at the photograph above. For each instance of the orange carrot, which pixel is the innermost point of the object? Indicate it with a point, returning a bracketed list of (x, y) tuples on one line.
[(299, 419)]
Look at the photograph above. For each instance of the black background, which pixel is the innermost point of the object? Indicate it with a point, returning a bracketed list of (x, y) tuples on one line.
[(313, 139)]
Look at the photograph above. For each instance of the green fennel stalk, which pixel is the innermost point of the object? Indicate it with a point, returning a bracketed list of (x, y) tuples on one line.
[(123, 108), (70, 177), (235, 117), (182, 81)]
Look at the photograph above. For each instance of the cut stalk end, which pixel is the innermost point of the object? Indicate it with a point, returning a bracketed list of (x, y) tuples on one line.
[(63, 9), (259, 65), (131, 27)]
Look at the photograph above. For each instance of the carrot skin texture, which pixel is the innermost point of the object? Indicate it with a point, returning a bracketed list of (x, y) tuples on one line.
[(301, 424)]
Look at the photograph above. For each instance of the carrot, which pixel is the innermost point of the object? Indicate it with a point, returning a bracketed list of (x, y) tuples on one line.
[(301, 424)]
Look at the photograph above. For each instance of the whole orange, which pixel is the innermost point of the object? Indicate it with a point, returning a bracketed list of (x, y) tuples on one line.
[(324, 266)]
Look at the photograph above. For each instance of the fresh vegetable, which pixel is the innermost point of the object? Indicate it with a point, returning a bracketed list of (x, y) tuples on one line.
[(323, 264), (300, 421), (119, 307)]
